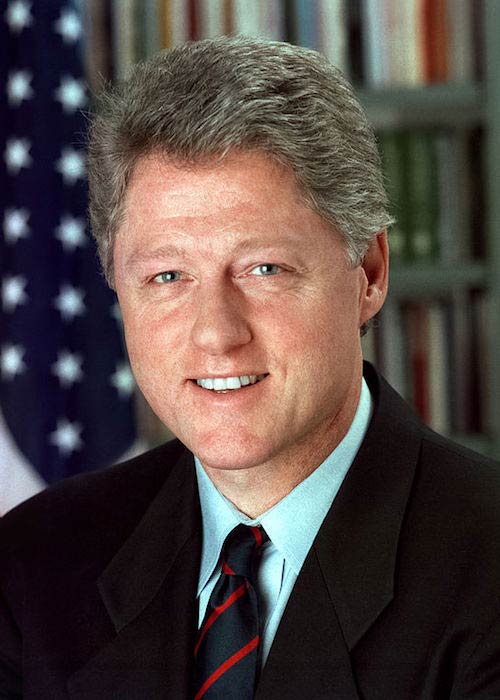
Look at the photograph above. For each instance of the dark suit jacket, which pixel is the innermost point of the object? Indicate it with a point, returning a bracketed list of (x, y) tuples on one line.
[(398, 597)]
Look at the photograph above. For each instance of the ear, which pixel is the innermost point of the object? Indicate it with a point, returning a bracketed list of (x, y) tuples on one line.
[(375, 278)]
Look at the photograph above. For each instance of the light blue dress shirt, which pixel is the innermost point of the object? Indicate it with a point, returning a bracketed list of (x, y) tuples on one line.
[(292, 525)]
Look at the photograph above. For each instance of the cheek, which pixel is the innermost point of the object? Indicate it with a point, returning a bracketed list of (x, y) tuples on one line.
[(149, 350)]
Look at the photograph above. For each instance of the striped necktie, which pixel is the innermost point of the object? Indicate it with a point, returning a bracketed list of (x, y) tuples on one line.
[(228, 640)]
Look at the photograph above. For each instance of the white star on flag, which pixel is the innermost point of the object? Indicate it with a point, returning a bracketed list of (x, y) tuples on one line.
[(123, 380), (71, 233), (69, 302), (71, 94), (18, 15), (15, 224), (18, 87), (68, 368), (11, 361), (17, 155), (13, 293), (68, 26), (66, 437), (71, 165)]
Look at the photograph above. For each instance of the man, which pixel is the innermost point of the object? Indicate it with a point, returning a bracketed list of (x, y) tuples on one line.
[(239, 211)]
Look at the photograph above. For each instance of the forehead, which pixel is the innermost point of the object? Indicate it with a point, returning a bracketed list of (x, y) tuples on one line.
[(245, 197), (241, 177)]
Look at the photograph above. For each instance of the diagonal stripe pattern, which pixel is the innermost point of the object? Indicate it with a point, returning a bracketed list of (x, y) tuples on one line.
[(228, 640)]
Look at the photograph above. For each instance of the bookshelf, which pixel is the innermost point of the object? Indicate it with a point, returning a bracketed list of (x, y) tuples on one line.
[(455, 109), (458, 285), (446, 105)]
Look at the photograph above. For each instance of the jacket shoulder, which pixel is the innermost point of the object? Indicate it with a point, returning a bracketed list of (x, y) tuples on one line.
[(471, 480), (93, 507)]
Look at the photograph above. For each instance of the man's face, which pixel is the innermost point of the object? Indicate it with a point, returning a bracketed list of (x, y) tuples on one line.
[(222, 272)]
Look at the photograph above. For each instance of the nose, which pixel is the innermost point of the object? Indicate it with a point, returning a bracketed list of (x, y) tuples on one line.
[(221, 324)]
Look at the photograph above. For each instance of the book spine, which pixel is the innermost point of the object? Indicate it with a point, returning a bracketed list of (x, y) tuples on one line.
[(417, 330), (123, 37), (246, 18), (460, 45), (404, 43), (438, 363), (174, 16), (436, 40), (391, 347), (272, 19), (332, 29), (423, 196), (152, 35), (306, 24), (210, 18), (374, 18)]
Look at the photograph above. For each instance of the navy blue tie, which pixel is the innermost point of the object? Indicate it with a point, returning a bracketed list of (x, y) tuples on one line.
[(227, 648)]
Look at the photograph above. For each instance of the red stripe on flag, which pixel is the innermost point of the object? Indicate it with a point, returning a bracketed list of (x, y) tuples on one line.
[(219, 610), (226, 666)]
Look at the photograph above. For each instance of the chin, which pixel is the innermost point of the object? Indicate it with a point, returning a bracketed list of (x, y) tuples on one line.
[(229, 452)]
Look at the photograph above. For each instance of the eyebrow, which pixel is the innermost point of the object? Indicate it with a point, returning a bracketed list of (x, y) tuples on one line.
[(171, 250), (167, 250)]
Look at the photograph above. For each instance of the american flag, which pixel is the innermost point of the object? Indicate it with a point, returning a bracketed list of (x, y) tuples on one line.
[(66, 390)]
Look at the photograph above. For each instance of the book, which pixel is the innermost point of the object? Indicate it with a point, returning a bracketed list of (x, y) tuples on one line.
[(210, 14), (247, 17), (306, 23), (435, 38), (417, 330), (391, 346), (174, 22), (374, 32), (453, 196), (151, 24), (272, 16), (422, 196), (124, 28), (461, 44), (403, 42), (438, 353), (332, 32)]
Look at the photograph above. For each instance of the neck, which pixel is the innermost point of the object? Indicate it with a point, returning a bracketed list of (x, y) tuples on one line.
[(256, 489)]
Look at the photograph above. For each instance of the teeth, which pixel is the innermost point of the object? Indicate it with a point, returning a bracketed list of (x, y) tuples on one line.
[(226, 383)]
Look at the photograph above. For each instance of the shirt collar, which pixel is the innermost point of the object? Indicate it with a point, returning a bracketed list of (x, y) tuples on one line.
[(292, 524)]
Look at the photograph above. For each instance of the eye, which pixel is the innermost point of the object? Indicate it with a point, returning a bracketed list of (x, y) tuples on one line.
[(166, 277), (266, 269)]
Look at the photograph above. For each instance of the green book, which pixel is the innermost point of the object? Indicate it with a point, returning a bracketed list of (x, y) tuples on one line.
[(423, 196)]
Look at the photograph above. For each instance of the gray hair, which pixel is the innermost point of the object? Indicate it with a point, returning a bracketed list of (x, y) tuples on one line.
[(202, 100)]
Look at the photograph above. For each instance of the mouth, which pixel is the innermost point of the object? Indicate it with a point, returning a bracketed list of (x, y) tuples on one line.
[(222, 385)]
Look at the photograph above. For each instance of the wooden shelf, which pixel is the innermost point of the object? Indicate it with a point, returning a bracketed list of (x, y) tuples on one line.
[(448, 105), (436, 279)]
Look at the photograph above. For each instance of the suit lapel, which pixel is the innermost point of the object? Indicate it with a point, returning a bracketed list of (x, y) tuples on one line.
[(308, 658), (357, 545), (347, 579), (149, 592)]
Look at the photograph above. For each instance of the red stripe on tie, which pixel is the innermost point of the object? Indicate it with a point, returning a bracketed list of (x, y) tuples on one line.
[(219, 610), (226, 569), (226, 666)]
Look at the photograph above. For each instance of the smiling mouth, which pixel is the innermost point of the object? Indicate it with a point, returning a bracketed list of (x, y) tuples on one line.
[(224, 384)]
